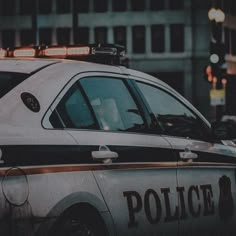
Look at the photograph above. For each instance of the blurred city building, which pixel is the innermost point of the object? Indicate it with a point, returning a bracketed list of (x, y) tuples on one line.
[(166, 38), (229, 28)]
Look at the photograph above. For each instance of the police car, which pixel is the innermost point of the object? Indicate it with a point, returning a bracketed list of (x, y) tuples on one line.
[(95, 149)]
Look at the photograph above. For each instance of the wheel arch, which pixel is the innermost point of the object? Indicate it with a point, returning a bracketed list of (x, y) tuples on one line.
[(73, 203)]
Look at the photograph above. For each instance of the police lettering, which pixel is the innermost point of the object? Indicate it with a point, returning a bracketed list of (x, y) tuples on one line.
[(157, 206)]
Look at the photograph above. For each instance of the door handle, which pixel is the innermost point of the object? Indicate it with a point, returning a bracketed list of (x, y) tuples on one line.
[(188, 155), (104, 154)]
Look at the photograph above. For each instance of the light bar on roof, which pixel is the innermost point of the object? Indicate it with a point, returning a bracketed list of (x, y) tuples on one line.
[(111, 54), (58, 51), (24, 52), (104, 50), (3, 53), (78, 51)]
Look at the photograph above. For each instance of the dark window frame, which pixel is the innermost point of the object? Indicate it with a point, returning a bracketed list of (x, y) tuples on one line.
[(138, 6), (8, 8), (27, 37), (84, 31), (26, 7), (117, 33), (63, 6), (45, 6), (102, 31), (139, 43), (119, 5), (177, 38), (45, 36), (62, 33), (100, 6), (157, 5), (9, 41), (85, 6), (176, 4), (158, 32)]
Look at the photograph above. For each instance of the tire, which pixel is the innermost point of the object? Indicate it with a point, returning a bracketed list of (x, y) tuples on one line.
[(82, 222)]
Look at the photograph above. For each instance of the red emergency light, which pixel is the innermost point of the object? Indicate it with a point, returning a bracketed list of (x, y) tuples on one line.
[(24, 52), (3, 53)]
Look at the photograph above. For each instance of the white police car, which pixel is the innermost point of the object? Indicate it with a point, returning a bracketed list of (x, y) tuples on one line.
[(95, 149)]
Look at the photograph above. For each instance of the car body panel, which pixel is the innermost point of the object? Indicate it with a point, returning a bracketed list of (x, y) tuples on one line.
[(147, 190)]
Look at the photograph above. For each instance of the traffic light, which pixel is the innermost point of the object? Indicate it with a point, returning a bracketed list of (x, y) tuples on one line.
[(217, 54), (208, 74), (216, 67), (218, 79)]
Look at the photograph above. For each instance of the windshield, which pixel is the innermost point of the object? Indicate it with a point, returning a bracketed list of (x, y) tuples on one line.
[(9, 80)]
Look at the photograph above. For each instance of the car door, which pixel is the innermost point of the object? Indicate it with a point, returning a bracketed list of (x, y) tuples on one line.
[(135, 171), (206, 169)]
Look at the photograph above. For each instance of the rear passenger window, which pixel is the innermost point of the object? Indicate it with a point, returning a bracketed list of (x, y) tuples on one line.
[(113, 105), (72, 112), (174, 117)]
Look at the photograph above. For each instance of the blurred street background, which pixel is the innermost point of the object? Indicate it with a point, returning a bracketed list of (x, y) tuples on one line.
[(189, 44)]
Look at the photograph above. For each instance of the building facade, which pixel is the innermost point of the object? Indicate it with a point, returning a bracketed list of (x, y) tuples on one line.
[(166, 38), (229, 27)]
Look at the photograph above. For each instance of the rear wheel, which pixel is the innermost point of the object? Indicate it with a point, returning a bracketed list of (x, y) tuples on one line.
[(80, 222), (77, 227)]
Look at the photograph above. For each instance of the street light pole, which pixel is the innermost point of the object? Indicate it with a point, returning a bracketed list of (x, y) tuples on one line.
[(217, 54)]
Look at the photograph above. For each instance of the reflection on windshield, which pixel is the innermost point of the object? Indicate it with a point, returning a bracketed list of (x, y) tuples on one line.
[(180, 125)]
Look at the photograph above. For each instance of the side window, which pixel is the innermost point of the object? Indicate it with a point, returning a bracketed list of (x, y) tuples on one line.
[(175, 118), (72, 112), (113, 105)]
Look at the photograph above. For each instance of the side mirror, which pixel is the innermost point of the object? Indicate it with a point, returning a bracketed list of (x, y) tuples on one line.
[(224, 130)]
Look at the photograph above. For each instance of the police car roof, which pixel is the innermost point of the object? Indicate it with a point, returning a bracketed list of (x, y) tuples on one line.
[(32, 65), (24, 65)]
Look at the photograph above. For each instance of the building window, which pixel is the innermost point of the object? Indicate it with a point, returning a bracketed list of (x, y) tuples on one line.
[(202, 5), (82, 6), (27, 37), (26, 7), (62, 6), (8, 7), (82, 35), (45, 36), (233, 39), (45, 6), (100, 5), (138, 5), (156, 5), (177, 38), (158, 38), (138, 33), (233, 10), (120, 35), (100, 35), (8, 38), (176, 4), (63, 36), (119, 5)]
